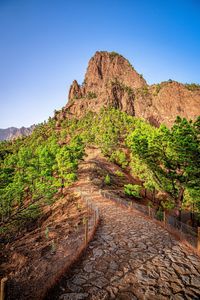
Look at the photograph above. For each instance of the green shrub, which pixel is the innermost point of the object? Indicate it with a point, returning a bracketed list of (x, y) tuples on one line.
[(132, 190), (113, 54), (119, 157), (107, 180), (91, 95), (159, 215), (119, 173), (192, 86), (143, 91), (128, 90), (157, 89)]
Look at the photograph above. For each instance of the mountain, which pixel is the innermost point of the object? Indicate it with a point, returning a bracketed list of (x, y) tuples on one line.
[(111, 81), (13, 132), (79, 166)]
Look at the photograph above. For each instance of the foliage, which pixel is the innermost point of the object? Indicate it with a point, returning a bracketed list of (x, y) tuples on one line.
[(91, 95), (143, 91), (132, 190), (107, 180), (119, 173), (128, 90), (124, 87), (157, 89), (159, 215), (192, 86), (113, 54), (172, 155), (119, 157), (34, 168)]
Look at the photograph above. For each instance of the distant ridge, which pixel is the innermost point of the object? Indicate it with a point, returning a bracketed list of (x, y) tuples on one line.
[(13, 132)]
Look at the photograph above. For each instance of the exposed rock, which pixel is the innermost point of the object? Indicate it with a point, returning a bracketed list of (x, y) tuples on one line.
[(111, 81), (74, 296), (75, 91)]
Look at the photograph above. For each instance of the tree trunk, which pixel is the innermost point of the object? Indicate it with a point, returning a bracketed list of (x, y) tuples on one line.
[(192, 214), (179, 201), (154, 195), (62, 185)]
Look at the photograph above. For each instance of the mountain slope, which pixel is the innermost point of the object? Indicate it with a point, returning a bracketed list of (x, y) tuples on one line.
[(110, 80), (13, 132)]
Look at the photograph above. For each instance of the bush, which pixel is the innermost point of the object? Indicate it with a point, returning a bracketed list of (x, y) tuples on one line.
[(91, 95), (107, 180), (113, 54), (132, 190), (192, 86), (119, 173), (119, 157), (143, 91), (157, 89), (159, 215), (128, 90)]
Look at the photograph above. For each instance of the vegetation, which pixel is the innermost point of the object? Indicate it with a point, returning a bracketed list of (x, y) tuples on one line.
[(124, 87), (157, 89), (170, 156), (119, 157), (35, 170), (119, 173), (113, 54), (143, 91), (107, 180), (91, 95), (192, 86), (132, 190)]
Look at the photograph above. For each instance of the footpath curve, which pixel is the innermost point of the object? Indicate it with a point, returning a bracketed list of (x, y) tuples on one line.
[(131, 257)]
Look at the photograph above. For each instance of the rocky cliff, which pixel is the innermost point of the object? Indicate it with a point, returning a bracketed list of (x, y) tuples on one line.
[(111, 80), (13, 132)]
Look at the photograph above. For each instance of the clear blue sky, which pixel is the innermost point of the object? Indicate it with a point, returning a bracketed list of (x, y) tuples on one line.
[(45, 44)]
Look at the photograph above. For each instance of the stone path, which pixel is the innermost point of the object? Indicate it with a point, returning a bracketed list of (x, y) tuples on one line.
[(131, 258)]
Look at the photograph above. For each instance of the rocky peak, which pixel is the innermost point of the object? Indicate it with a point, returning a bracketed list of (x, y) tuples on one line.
[(75, 91), (107, 66), (104, 68), (110, 80)]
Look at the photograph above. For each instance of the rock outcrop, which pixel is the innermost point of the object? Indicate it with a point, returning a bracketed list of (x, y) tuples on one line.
[(75, 91), (110, 80)]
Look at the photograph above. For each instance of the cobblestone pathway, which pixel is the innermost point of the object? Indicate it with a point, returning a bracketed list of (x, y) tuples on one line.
[(131, 258)]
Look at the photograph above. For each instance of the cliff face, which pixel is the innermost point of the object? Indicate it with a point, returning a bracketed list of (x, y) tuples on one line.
[(110, 80)]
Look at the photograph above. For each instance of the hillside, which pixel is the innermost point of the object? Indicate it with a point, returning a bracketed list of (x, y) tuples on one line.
[(111, 81), (102, 152), (13, 132)]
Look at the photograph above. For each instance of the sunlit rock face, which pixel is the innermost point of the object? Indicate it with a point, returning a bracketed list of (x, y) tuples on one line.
[(111, 81)]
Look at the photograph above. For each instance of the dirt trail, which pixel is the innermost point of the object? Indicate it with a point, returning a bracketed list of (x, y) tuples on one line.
[(130, 258)]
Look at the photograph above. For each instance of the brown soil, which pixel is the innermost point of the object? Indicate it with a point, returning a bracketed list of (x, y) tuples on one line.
[(34, 260)]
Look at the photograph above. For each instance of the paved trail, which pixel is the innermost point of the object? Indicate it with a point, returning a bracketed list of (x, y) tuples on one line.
[(131, 258)]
